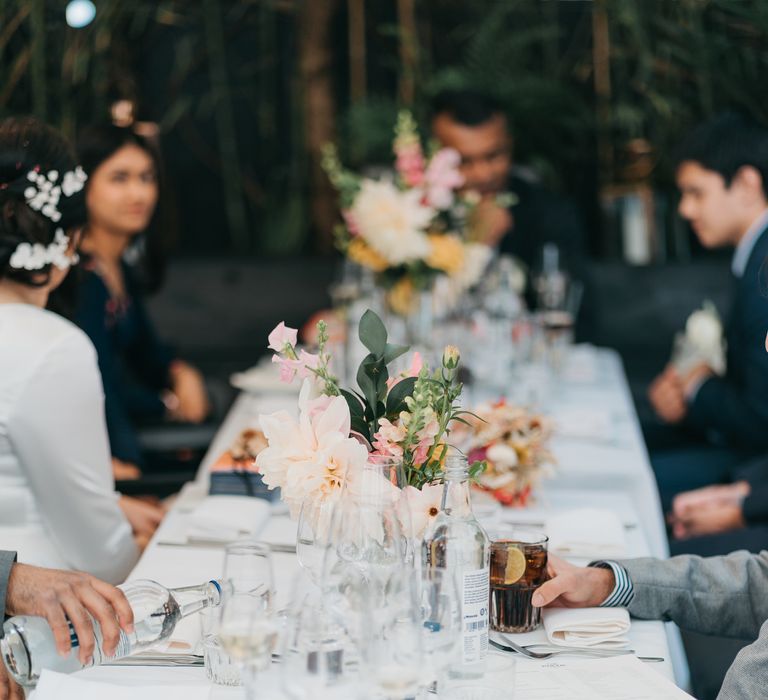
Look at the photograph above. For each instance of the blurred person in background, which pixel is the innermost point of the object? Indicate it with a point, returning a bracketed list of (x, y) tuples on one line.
[(708, 425), (145, 383), (475, 125)]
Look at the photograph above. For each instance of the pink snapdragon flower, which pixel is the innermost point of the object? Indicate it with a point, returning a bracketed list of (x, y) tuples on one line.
[(387, 440), (413, 371), (442, 178), (409, 162), (426, 437), (282, 336)]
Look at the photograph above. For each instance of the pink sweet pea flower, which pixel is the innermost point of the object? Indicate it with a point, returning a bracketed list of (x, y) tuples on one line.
[(282, 336), (442, 178), (288, 368), (308, 362)]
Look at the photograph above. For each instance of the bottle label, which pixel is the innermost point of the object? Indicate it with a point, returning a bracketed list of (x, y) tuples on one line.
[(123, 645), (475, 596)]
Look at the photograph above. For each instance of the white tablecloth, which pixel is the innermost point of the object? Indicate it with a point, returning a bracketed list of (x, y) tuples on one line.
[(594, 470)]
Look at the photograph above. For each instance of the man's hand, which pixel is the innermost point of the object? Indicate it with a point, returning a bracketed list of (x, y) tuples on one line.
[(667, 396), (490, 221), (696, 377), (573, 586), (59, 596), (124, 471), (709, 510), (144, 517), (188, 386), (8, 689)]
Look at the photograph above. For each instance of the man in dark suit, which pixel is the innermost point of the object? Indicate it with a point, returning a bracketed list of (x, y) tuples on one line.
[(474, 124), (61, 597), (719, 421)]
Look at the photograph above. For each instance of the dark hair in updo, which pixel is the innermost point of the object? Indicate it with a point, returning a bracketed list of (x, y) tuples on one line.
[(27, 144)]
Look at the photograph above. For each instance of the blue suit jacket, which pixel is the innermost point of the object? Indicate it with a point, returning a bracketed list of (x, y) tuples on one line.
[(734, 408)]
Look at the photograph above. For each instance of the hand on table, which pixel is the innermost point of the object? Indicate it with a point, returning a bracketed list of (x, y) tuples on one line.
[(667, 396), (709, 510), (61, 595), (573, 586), (124, 471), (189, 389), (144, 517)]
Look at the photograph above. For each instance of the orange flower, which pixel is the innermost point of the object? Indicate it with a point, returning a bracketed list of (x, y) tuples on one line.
[(361, 253), (400, 298), (446, 254)]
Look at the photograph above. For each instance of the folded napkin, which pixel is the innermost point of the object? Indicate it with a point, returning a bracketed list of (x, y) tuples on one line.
[(583, 423), (218, 519), (593, 628), (586, 532), (57, 686)]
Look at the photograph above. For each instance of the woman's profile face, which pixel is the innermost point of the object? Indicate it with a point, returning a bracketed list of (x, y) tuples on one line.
[(122, 191)]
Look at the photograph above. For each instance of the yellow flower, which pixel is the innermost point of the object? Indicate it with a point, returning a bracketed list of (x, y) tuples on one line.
[(447, 253), (359, 252), (401, 297)]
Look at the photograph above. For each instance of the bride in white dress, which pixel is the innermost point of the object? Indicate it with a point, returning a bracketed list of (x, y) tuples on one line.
[(58, 506)]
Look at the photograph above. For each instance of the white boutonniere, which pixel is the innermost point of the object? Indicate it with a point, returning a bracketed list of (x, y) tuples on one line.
[(702, 342)]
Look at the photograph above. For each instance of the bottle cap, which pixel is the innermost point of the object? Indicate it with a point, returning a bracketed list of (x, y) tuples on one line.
[(15, 652)]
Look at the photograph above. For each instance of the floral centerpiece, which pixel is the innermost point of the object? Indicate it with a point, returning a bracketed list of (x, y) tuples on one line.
[(413, 225), (407, 417), (513, 444)]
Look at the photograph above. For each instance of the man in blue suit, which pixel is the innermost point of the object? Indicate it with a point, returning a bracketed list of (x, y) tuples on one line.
[(722, 174)]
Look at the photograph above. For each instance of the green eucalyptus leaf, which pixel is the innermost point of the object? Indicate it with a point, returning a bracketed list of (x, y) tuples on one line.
[(392, 352), (356, 408), (373, 333), (397, 395), (360, 425), (367, 380)]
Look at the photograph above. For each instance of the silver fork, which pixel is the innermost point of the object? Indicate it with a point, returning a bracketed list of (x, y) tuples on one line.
[(600, 653)]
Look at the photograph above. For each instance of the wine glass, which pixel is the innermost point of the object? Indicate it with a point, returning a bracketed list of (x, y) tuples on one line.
[(313, 536), (440, 607), (392, 638), (247, 624), (320, 654)]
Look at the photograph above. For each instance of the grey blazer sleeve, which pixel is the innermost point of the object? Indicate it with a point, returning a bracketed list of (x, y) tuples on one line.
[(747, 678), (727, 596), (7, 560)]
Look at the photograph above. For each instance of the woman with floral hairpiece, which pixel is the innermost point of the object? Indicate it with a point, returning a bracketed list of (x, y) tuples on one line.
[(144, 382), (58, 506)]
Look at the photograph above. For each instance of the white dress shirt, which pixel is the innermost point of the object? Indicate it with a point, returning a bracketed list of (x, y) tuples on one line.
[(58, 506)]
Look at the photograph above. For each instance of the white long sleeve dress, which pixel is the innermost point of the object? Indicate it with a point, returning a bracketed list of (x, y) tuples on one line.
[(58, 506)]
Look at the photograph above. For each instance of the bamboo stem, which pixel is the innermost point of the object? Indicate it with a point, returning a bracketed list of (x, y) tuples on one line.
[(231, 177)]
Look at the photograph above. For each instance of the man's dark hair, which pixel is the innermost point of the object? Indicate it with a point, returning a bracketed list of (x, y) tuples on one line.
[(726, 143), (467, 107)]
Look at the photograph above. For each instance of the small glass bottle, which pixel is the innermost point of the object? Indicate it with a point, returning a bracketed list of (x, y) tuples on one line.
[(28, 645), (455, 541)]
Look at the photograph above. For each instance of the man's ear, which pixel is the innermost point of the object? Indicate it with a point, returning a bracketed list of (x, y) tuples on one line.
[(750, 178)]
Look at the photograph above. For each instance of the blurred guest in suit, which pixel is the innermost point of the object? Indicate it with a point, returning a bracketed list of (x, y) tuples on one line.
[(713, 423), (475, 125)]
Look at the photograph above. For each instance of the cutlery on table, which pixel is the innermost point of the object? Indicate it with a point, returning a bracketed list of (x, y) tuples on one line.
[(599, 653)]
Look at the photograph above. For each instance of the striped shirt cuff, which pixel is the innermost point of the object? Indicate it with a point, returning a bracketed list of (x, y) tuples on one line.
[(623, 592)]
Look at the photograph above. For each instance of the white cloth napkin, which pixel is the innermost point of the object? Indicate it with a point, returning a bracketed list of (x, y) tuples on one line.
[(601, 628), (583, 423), (587, 532), (218, 519), (57, 686)]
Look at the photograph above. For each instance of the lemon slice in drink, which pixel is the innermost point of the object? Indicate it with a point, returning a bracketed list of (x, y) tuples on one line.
[(515, 567)]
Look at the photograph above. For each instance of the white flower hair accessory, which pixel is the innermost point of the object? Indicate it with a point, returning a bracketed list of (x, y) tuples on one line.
[(35, 256), (44, 192)]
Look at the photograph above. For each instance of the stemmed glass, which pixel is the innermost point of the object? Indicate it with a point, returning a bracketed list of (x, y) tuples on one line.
[(313, 535), (392, 639), (440, 607), (247, 624)]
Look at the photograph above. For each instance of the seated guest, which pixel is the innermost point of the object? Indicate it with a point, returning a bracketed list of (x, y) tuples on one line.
[(715, 596), (58, 506), (144, 382), (62, 597), (475, 125), (722, 174)]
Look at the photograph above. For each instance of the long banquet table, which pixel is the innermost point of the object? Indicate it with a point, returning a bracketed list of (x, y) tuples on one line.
[(602, 470)]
